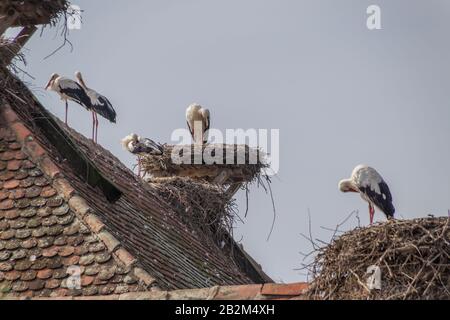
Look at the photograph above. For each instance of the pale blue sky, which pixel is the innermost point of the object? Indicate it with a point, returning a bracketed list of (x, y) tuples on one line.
[(340, 94)]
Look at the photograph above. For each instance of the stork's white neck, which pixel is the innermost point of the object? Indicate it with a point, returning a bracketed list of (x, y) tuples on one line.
[(81, 81)]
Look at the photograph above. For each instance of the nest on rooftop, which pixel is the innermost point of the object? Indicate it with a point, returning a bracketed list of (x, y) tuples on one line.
[(34, 12), (204, 206), (241, 163), (10, 52), (201, 181), (412, 255)]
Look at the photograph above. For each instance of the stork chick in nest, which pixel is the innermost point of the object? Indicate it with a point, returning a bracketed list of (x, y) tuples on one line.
[(138, 146)]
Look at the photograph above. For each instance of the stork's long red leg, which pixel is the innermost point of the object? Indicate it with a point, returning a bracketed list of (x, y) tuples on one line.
[(96, 127), (67, 110), (371, 212), (93, 125)]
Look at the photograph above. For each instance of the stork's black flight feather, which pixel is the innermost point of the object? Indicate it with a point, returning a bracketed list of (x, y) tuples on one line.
[(382, 200), (77, 94), (104, 108)]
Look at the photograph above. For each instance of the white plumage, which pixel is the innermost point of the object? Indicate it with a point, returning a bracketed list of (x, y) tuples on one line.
[(138, 146), (99, 105), (372, 188), (68, 89), (198, 121)]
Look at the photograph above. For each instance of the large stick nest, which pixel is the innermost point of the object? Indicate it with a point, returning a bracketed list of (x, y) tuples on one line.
[(34, 12), (413, 257), (244, 165), (9, 52), (205, 207)]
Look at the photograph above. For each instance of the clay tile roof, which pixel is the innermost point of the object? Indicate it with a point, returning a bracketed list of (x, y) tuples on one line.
[(41, 237), (270, 291), (65, 201)]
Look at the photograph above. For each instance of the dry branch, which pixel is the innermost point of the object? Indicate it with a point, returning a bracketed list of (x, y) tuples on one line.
[(413, 256)]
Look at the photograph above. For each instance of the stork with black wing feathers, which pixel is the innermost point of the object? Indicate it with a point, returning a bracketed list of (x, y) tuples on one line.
[(69, 90), (370, 185), (99, 105), (139, 146)]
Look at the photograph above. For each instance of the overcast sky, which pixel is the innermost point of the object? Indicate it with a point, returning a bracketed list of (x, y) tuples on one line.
[(339, 93)]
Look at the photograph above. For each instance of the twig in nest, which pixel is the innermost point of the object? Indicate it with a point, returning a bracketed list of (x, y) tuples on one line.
[(247, 191), (273, 207), (359, 281), (411, 254)]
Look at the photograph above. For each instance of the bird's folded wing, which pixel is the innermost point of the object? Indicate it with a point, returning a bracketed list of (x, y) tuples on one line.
[(75, 92)]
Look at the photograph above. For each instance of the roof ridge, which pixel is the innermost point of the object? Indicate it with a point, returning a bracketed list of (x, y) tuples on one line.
[(76, 203)]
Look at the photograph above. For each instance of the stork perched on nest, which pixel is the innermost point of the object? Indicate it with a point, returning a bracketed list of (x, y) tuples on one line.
[(198, 121), (370, 185), (99, 105), (68, 90), (138, 146)]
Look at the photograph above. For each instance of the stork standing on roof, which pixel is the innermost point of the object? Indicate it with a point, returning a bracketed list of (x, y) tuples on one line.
[(370, 185), (69, 90), (99, 105), (138, 146), (198, 121)]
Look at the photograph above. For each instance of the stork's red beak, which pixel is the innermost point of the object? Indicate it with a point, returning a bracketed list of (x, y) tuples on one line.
[(48, 84)]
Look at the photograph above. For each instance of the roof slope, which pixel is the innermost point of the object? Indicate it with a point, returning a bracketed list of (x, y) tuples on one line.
[(42, 241), (149, 229)]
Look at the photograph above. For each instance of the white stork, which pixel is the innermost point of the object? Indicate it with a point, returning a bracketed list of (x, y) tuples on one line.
[(100, 105), (370, 185), (138, 146), (198, 121), (68, 90)]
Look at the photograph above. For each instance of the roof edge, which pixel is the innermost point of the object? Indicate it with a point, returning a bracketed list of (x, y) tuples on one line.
[(76, 203), (268, 291)]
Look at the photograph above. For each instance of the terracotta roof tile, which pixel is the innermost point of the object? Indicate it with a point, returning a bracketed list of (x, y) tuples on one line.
[(40, 236), (274, 289), (294, 291), (166, 252), (245, 292)]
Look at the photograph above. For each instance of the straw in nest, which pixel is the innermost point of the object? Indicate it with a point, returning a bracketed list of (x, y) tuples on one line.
[(34, 12), (413, 257), (203, 206), (244, 165), (9, 51)]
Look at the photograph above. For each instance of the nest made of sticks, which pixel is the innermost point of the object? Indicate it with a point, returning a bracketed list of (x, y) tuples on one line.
[(412, 255), (204, 206), (240, 162), (9, 52), (34, 12)]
